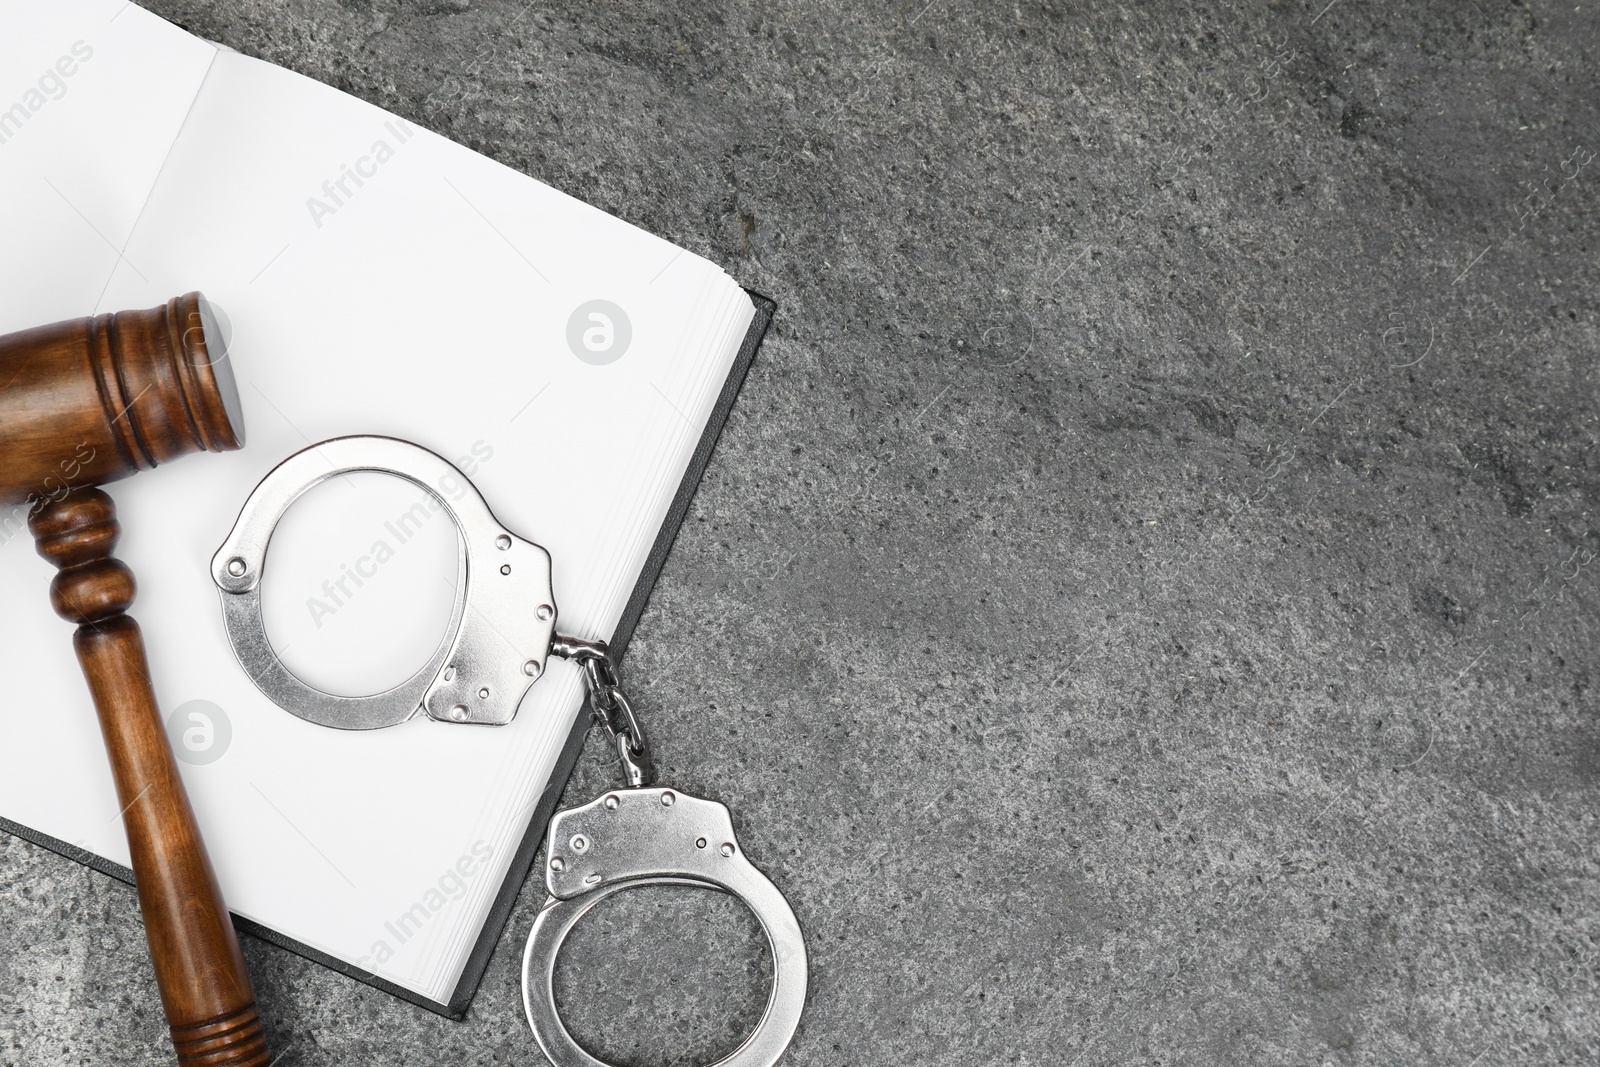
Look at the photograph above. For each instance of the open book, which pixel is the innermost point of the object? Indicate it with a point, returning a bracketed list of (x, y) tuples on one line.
[(378, 279)]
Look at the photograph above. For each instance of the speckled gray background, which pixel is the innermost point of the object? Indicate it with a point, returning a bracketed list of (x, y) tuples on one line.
[(1143, 608)]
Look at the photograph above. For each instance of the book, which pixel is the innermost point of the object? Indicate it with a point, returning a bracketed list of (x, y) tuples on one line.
[(375, 278)]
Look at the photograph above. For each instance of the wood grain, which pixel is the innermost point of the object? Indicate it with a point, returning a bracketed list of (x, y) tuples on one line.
[(205, 988), (91, 401)]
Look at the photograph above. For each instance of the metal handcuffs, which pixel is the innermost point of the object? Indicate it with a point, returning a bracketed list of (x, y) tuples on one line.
[(499, 639)]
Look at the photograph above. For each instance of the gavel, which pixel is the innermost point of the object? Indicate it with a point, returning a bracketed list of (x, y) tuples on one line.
[(83, 403)]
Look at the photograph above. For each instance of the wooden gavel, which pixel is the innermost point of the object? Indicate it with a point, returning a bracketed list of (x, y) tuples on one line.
[(83, 403)]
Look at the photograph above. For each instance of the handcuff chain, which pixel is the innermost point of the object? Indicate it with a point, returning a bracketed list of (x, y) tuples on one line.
[(610, 704)]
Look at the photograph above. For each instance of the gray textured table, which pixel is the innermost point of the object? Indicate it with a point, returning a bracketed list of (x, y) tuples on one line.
[(1143, 609)]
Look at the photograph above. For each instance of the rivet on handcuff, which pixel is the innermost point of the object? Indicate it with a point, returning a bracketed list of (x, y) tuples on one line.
[(628, 839)]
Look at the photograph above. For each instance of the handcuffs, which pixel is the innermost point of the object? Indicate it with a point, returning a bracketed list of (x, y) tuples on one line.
[(501, 634)]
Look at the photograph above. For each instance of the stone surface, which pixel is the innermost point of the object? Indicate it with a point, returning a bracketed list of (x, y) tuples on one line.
[(1143, 608)]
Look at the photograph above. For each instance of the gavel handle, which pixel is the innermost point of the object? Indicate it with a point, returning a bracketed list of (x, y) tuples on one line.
[(205, 989)]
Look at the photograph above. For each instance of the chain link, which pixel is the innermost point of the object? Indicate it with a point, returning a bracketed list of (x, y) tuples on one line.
[(611, 706)]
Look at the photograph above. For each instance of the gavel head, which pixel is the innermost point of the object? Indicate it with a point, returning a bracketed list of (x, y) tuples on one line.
[(92, 400)]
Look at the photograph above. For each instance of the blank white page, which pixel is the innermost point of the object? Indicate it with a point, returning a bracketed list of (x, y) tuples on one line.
[(92, 93), (430, 301)]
